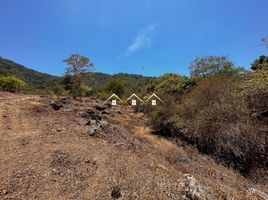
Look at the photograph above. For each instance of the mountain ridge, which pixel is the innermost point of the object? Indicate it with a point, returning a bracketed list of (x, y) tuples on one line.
[(40, 80)]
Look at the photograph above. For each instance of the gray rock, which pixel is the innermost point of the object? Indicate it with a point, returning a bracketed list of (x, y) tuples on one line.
[(105, 113), (190, 187), (93, 131), (56, 105), (116, 192), (65, 99), (91, 114), (101, 107), (108, 104)]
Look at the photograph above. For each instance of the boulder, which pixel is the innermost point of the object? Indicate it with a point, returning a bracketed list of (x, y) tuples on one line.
[(92, 123), (101, 107), (105, 113), (93, 131), (88, 113), (108, 104), (65, 99), (190, 187), (91, 115), (116, 192), (56, 105)]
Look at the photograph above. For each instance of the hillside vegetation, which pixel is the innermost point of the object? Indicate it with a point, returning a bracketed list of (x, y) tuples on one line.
[(90, 150), (33, 78), (224, 115), (221, 109), (94, 83)]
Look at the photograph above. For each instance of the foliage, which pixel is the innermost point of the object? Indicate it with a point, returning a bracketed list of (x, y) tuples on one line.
[(260, 64), (56, 90), (34, 79), (86, 91), (40, 82), (255, 90), (221, 117), (162, 116), (103, 95), (116, 85), (208, 65), (77, 66), (135, 83), (171, 83), (11, 83)]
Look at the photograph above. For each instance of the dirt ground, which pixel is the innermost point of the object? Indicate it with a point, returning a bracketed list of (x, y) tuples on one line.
[(49, 154)]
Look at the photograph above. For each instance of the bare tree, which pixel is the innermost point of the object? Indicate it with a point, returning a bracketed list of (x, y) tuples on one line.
[(77, 66)]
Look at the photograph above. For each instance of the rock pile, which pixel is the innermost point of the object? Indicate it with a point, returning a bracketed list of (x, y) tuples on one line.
[(191, 189), (100, 127)]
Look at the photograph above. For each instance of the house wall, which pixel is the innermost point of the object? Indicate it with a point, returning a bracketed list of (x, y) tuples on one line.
[(138, 102)]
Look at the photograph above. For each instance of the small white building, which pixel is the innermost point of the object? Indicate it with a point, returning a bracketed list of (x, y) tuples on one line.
[(113, 99), (134, 100), (154, 100)]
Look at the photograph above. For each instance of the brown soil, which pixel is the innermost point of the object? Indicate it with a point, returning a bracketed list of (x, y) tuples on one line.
[(48, 154)]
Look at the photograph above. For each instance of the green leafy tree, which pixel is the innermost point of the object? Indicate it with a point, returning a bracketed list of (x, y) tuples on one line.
[(77, 66), (117, 86), (174, 84), (208, 65), (260, 64), (11, 83)]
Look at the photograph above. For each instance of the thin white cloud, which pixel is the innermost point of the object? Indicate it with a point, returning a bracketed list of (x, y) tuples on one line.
[(142, 40)]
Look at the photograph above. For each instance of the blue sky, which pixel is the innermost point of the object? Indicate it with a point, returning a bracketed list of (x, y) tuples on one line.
[(149, 37)]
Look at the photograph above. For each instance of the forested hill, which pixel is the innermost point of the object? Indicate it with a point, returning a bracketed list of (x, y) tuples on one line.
[(40, 80), (98, 80), (34, 78)]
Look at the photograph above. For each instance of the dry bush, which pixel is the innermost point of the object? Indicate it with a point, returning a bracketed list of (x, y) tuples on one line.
[(219, 122), (162, 116), (217, 116)]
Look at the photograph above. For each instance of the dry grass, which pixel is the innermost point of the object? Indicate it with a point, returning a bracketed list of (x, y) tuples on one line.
[(46, 154), (219, 117)]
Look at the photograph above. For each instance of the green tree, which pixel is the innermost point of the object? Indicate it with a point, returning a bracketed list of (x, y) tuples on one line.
[(208, 65), (170, 83), (77, 66), (260, 64), (11, 83), (117, 86)]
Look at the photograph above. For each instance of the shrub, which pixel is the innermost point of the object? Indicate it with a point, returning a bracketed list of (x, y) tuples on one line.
[(56, 90), (162, 116), (103, 95), (217, 116), (173, 84), (255, 90), (260, 64), (11, 83), (117, 86), (86, 91)]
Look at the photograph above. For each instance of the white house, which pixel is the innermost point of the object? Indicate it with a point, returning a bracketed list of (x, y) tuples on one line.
[(134, 100), (113, 99), (154, 100)]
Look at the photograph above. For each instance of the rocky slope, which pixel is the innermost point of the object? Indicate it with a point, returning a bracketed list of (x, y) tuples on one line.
[(88, 150)]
